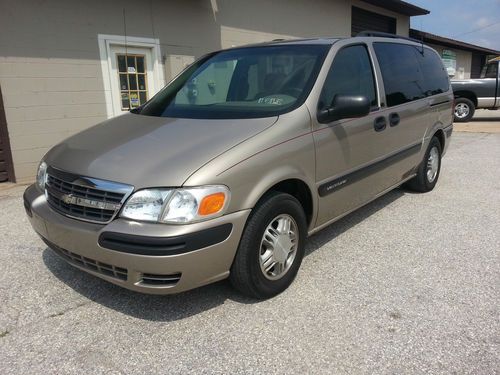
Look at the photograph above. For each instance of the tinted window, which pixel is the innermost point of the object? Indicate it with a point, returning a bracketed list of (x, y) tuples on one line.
[(490, 71), (435, 76), (403, 80), (410, 72), (350, 74), (241, 83)]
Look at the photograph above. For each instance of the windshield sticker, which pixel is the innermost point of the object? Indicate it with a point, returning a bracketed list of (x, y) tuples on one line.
[(270, 100)]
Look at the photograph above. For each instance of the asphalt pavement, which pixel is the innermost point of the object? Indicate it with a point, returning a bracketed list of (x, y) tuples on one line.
[(409, 284)]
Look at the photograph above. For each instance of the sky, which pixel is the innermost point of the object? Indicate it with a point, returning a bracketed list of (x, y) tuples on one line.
[(471, 21)]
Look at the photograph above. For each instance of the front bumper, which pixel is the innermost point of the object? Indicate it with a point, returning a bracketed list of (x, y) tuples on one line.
[(201, 261)]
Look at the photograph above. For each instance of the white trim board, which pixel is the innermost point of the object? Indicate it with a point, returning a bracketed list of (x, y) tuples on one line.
[(106, 41)]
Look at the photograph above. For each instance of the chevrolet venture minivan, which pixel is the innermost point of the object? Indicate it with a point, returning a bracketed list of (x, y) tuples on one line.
[(228, 169)]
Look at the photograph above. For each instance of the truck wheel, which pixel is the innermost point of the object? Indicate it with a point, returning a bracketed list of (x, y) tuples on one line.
[(464, 109), (271, 247), (428, 170)]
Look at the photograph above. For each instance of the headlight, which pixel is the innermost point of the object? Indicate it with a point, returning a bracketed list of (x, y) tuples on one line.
[(41, 175), (146, 205), (177, 206)]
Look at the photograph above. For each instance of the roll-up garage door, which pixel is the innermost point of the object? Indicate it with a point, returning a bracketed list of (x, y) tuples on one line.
[(6, 170), (363, 20)]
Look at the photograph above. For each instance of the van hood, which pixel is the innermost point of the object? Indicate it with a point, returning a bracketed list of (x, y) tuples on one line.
[(147, 151)]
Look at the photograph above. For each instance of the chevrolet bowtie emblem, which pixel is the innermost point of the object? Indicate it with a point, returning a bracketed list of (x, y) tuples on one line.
[(67, 198)]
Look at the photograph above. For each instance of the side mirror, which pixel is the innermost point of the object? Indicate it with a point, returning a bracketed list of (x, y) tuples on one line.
[(345, 106)]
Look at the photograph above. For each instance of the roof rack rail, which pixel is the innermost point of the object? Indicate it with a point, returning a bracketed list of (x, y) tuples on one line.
[(380, 34)]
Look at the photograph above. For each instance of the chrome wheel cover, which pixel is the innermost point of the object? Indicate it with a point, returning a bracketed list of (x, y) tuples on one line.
[(433, 164), (462, 110), (278, 247)]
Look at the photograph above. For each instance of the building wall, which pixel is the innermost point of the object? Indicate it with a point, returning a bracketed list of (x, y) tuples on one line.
[(50, 66), (464, 61)]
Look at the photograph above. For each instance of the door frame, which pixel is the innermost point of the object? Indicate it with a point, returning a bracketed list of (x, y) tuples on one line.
[(105, 42), (4, 136)]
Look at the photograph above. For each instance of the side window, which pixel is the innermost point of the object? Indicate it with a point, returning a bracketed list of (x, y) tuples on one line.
[(351, 73), (435, 76), (490, 71), (403, 80)]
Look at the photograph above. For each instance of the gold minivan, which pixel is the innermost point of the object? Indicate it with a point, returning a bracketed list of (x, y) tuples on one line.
[(228, 169)]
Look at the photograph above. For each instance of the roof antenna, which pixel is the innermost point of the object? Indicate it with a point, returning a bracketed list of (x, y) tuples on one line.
[(422, 37)]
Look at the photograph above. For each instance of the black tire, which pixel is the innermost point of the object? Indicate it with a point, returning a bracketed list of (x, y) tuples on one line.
[(463, 103), (246, 274), (421, 182)]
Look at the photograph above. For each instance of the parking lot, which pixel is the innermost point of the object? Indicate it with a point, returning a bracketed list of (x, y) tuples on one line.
[(408, 284)]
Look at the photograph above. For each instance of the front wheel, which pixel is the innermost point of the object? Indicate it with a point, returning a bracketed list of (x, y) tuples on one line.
[(271, 247), (464, 109)]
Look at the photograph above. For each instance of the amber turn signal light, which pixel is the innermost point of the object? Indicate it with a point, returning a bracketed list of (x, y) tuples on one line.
[(212, 204)]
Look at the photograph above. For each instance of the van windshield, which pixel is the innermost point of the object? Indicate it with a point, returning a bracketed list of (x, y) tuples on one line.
[(241, 83)]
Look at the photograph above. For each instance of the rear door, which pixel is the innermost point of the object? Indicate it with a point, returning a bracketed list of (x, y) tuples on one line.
[(406, 100)]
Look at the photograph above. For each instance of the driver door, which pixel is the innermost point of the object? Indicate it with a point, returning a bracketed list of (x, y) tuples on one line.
[(349, 152)]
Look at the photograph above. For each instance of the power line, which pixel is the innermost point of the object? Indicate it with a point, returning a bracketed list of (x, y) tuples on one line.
[(478, 29)]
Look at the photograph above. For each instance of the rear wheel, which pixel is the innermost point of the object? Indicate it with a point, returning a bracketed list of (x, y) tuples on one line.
[(271, 247), (464, 109), (428, 171)]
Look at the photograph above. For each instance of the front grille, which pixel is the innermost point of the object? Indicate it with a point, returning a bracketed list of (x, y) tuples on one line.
[(82, 202), (160, 280), (91, 264)]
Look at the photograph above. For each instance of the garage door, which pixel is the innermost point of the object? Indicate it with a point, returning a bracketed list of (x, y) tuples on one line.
[(6, 170), (363, 20)]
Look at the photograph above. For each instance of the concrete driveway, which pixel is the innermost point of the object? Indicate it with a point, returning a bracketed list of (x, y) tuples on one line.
[(484, 121), (408, 284)]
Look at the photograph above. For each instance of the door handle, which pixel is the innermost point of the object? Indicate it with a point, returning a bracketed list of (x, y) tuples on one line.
[(394, 119), (379, 124)]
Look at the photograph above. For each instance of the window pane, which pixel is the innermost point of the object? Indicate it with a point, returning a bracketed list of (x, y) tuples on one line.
[(132, 81), (125, 102), (142, 81), (131, 68), (142, 97), (491, 70), (351, 73), (402, 75), (140, 64), (121, 63), (123, 82), (435, 75)]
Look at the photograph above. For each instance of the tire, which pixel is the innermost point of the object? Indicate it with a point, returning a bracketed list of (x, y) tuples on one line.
[(464, 110), (248, 273), (425, 181)]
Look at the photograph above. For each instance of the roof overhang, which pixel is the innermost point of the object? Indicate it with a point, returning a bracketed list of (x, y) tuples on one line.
[(451, 43), (399, 6)]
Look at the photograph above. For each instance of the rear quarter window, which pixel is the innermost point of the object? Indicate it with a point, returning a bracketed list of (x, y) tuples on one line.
[(410, 72)]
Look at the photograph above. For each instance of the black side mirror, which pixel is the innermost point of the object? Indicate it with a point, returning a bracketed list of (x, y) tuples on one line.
[(345, 106)]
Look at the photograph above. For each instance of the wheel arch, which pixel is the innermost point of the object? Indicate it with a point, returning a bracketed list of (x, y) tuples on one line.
[(439, 134), (468, 95), (298, 188)]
